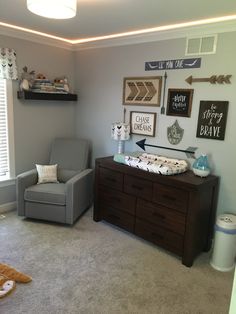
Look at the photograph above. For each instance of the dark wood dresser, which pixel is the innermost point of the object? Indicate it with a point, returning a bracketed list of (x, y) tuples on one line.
[(175, 212)]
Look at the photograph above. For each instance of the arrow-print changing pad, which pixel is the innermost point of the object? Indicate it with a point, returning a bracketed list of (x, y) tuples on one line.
[(153, 163)]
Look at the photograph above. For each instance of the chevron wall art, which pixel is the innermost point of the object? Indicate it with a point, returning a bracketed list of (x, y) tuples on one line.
[(142, 90)]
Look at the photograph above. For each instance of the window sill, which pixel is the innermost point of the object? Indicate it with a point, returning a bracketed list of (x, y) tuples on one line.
[(7, 181)]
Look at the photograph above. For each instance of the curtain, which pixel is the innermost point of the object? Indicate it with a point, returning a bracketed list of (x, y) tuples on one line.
[(8, 68)]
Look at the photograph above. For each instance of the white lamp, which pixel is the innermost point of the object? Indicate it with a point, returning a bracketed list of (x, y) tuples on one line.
[(120, 132), (56, 9)]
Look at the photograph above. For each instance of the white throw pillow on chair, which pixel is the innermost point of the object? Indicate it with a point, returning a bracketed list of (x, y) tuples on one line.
[(47, 173)]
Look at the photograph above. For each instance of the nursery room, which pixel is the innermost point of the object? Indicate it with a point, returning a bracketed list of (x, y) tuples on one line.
[(117, 152)]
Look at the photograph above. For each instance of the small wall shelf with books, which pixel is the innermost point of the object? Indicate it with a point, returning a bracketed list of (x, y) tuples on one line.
[(29, 95)]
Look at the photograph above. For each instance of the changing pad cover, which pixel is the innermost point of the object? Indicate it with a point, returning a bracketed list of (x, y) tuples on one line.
[(155, 163)]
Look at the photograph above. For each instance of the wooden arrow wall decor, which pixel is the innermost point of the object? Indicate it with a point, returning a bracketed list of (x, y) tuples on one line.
[(142, 90), (220, 79)]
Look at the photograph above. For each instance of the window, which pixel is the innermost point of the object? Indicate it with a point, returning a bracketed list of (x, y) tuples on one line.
[(7, 170)]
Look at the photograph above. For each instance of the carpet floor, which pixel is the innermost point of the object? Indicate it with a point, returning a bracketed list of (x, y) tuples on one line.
[(95, 268)]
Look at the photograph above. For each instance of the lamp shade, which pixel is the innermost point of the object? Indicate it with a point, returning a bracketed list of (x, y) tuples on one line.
[(120, 131), (56, 9)]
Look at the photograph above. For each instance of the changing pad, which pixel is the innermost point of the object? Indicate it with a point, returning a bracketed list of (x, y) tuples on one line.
[(154, 163)]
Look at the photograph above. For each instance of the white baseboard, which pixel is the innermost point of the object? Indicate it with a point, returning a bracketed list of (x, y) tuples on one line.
[(7, 207)]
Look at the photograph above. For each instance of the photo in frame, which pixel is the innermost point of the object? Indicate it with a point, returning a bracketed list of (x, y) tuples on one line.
[(143, 123), (179, 102), (143, 91)]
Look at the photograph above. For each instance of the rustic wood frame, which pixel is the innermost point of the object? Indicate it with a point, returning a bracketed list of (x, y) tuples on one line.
[(187, 112), (155, 81), (153, 125)]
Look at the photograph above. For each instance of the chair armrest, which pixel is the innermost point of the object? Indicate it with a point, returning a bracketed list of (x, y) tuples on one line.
[(23, 181), (79, 194)]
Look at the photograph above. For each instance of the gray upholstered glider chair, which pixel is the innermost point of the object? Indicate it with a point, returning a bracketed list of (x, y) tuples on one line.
[(61, 202)]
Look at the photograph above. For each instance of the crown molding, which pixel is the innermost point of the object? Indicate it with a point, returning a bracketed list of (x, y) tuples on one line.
[(220, 27), (34, 38), (216, 28)]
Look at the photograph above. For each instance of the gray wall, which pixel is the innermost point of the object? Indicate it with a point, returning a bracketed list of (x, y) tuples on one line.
[(99, 77), (36, 123)]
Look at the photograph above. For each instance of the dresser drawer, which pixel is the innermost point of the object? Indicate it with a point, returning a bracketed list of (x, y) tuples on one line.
[(111, 178), (161, 216), (160, 236), (117, 199), (138, 187), (170, 197), (118, 218)]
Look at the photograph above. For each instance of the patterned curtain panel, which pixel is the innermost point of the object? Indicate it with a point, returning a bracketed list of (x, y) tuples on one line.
[(8, 68)]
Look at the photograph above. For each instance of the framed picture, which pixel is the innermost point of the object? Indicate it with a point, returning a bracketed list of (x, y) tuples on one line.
[(143, 91), (143, 123), (212, 119), (179, 102)]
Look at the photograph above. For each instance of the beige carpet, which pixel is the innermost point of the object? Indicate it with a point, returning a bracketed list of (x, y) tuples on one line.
[(97, 268)]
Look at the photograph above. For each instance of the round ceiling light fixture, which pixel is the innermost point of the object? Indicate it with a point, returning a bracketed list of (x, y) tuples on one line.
[(55, 9)]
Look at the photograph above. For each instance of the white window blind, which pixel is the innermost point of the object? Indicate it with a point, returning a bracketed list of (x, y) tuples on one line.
[(4, 151)]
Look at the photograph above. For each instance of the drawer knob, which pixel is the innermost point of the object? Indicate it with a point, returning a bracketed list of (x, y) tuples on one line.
[(137, 187), (116, 199), (110, 179), (158, 215), (171, 198)]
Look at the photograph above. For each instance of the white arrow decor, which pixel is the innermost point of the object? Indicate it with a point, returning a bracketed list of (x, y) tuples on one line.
[(142, 90)]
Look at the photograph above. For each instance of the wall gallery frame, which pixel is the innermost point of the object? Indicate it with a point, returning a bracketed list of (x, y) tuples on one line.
[(212, 119), (143, 123), (179, 102), (143, 91)]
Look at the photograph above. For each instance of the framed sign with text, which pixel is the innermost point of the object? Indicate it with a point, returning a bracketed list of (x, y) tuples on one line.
[(179, 102), (212, 119), (143, 123)]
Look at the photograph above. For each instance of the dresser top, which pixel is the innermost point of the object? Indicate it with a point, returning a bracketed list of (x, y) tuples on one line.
[(187, 179)]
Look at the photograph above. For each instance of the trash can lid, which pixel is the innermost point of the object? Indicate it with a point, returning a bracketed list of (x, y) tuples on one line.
[(227, 221)]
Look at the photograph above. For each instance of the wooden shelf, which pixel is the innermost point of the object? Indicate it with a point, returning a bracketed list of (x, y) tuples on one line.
[(28, 95)]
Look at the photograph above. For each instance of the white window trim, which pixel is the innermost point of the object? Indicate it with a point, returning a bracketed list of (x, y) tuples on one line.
[(11, 143)]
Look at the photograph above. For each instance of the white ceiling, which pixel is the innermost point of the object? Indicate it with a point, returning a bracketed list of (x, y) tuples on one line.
[(105, 17)]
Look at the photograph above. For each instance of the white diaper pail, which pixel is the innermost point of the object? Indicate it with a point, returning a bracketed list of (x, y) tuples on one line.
[(224, 252)]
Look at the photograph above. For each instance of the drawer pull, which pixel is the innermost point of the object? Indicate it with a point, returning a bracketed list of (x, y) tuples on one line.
[(114, 216), (157, 236), (158, 215), (116, 199), (137, 187), (171, 198), (110, 179)]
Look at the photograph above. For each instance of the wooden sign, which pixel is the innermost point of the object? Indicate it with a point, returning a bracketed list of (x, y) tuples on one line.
[(144, 91), (220, 79), (179, 102), (177, 64), (212, 119), (143, 123)]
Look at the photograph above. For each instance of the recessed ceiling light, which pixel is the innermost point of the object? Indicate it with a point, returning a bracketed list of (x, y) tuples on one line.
[(55, 9)]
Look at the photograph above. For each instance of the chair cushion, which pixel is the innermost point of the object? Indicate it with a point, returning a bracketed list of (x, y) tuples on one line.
[(50, 193)]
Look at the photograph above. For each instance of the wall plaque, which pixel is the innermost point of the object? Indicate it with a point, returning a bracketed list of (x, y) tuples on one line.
[(176, 64), (179, 102), (212, 119)]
